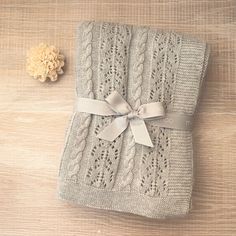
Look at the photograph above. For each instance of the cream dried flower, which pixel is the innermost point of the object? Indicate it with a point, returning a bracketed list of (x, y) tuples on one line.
[(44, 61)]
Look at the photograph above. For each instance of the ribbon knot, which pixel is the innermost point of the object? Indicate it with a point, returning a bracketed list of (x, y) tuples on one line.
[(132, 114)]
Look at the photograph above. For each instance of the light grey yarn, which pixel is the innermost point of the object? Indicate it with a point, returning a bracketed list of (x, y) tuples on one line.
[(144, 65)]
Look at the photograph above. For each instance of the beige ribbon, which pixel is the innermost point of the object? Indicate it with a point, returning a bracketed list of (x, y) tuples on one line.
[(115, 105)]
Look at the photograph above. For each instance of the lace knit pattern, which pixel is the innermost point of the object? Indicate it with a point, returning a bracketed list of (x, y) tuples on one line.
[(112, 75), (154, 165)]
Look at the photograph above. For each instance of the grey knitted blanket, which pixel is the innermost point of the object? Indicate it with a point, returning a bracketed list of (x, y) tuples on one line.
[(144, 65)]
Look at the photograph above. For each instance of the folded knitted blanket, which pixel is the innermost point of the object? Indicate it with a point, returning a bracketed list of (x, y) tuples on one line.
[(127, 66)]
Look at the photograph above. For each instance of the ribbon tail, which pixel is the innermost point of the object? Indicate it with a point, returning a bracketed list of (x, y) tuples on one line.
[(140, 132), (113, 130)]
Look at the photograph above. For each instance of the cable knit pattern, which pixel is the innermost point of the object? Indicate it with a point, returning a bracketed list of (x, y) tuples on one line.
[(136, 95), (144, 65), (85, 119), (112, 75)]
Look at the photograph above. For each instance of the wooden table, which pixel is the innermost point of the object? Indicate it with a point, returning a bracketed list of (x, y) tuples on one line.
[(34, 117)]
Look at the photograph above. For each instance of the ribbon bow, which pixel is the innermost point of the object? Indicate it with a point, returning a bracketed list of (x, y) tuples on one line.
[(115, 105)]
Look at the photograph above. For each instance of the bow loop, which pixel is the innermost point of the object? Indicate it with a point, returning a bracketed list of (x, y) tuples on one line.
[(151, 110), (118, 104)]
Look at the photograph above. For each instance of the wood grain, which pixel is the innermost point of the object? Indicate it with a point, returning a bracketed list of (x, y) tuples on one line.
[(34, 117)]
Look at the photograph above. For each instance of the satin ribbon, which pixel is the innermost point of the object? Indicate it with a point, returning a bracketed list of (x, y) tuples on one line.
[(115, 105)]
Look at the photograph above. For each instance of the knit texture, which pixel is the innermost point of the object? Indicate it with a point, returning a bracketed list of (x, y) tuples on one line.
[(144, 65)]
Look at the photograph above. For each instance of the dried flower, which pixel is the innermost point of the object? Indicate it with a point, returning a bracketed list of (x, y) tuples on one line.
[(45, 61)]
